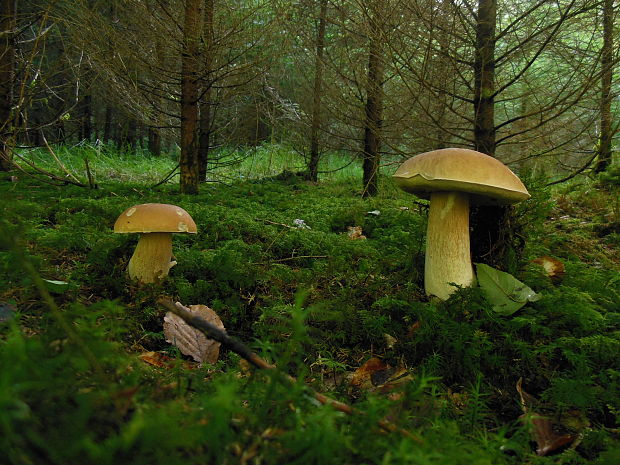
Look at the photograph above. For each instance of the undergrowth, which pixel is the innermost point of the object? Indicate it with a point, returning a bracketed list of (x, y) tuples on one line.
[(309, 298)]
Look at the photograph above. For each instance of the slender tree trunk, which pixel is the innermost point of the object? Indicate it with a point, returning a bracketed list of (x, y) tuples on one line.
[(154, 141), (107, 124), (491, 240), (374, 111), (484, 77), (313, 164), (87, 113), (605, 143), (8, 10), (204, 141), (190, 67), (132, 131), (440, 70)]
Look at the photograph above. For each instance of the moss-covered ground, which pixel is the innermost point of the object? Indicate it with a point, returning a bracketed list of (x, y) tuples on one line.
[(474, 386)]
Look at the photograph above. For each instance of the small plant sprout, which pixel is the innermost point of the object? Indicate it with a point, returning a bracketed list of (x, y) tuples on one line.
[(156, 222), (453, 178)]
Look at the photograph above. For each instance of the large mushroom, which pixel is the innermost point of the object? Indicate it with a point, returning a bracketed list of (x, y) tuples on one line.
[(452, 178), (156, 222)]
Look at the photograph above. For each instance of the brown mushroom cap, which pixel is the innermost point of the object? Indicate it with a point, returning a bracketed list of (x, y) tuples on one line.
[(487, 179), (154, 218)]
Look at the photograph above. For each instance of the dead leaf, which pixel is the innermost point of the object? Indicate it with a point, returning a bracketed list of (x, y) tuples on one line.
[(547, 440), (553, 267), (362, 376), (163, 361), (390, 341), (459, 400), (541, 427), (528, 402), (272, 433), (192, 341), (411, 330), (355, 233), (157, 359), (376, 374)]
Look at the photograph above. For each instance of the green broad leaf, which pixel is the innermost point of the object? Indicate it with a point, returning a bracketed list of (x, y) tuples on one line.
[(505, 292)]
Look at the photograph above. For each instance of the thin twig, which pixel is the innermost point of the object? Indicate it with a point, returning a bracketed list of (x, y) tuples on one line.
[(291, 258), (575, 173), (43, 172), (58, 162), (89, 174), (241, 349), (276, 224), (167, 177)]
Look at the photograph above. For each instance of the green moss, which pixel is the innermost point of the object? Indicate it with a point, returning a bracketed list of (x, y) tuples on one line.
[(318, 304)]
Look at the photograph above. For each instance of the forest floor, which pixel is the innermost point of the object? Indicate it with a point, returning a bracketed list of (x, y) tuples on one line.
[(326, 286)]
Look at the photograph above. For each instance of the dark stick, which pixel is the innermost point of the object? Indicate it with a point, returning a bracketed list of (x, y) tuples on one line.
[(241, 349), (215, 333)]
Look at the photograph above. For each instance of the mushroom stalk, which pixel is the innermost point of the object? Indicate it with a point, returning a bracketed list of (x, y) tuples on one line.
[(152, 258), (448, 258)]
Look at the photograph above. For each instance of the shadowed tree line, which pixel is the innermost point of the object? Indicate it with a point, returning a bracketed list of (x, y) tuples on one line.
[(528, 81)]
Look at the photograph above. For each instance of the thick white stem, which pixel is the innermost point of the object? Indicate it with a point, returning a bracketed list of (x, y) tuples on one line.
[(448, 258), (152, 258)]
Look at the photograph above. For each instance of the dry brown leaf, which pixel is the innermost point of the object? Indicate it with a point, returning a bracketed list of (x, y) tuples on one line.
[(542, 427), (355, 233), (156, 359), (547, 440), (192, 341), (376, 374), (553, 267), (361, 378), (163, 361), (411, 330)]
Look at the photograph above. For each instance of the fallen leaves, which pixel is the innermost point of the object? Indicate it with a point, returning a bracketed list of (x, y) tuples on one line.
[(553, 267), (161, 361), (191, 341), (505, 292), (355, 233), (543, 428), (377, 375)]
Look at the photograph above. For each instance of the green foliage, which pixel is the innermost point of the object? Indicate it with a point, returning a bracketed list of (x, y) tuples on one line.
[(506, 293), (316, 303)]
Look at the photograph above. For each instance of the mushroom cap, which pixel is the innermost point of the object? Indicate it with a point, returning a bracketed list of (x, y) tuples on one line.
[(155, 217), (487, 179)]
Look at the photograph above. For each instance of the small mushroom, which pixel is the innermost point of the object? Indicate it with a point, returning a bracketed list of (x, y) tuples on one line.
[(452, 178), (155, 222)]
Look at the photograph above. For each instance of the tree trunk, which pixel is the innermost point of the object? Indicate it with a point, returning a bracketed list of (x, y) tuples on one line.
[(132, 131), (607, 69), (204, 141), (189, 162), (313, 164), (87, 113), (8, 10), (374, 111), (491, 238), (154, 141), (440, 70), (484, 77), (107, 124)]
